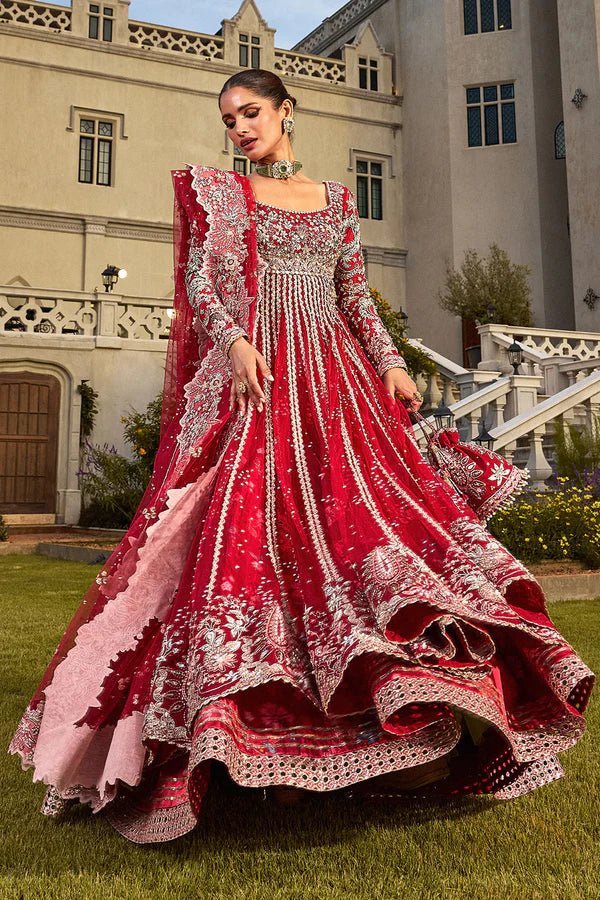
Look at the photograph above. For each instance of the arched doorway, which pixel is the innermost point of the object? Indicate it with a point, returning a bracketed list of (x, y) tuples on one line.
[(29, 413)]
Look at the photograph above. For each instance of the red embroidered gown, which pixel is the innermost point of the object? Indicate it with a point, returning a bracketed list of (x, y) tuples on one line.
[(316, 606)]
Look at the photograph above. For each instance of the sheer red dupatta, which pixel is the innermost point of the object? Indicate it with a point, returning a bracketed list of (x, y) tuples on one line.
[(185, 350)]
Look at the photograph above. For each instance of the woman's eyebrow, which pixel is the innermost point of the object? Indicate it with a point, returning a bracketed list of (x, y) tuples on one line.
[(240, 108)]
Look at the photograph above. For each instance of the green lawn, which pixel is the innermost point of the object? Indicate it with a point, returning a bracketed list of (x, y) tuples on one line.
[(542, 846)]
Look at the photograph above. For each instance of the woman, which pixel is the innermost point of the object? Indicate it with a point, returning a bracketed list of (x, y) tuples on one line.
[(300, 596)]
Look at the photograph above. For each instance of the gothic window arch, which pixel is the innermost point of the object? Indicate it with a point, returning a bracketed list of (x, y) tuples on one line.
[(560, 146)]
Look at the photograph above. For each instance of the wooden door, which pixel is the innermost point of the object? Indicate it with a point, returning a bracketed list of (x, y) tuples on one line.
[(29, 409)]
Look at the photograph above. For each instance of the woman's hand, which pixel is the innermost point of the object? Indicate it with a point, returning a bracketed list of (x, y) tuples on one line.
[(245, 359), (398, 381)]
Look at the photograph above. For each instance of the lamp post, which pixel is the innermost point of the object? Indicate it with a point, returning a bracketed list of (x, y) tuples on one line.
[(444, 417), (515, 356), (484, 438), (111, 275), (403, 319)]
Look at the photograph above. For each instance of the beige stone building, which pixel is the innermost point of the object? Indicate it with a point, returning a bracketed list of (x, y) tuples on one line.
[(97, 109), (500, 137), (448, 118)]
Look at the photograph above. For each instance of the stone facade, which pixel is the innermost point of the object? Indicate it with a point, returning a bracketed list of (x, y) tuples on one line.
[(544, 210), (140, 100)]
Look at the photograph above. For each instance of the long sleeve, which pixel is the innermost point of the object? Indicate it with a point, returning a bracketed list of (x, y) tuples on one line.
[(211, 313), (355, 299)]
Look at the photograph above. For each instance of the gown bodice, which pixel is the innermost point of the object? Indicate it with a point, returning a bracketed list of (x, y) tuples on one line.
[(302, 242)]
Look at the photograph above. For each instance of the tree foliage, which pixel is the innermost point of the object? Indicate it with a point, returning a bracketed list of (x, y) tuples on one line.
[(417, 361), (488, 289)]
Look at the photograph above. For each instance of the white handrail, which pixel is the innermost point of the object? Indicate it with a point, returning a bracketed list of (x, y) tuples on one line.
[(544, 412)]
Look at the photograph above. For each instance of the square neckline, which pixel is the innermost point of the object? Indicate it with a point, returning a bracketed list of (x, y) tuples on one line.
[(299, 212)]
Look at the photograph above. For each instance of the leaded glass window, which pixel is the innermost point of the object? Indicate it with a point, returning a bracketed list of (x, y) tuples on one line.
[(368, 73), (491, 115), (96, 151), (241, 163), (100, 22), (369, 189), (249, 51), (560, 144), (486, 15)]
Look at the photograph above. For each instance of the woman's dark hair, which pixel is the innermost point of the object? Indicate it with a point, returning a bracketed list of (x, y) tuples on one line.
[(262, 82)]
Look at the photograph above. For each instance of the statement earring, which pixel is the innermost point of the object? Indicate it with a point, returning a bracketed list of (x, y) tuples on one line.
[(288, 125)]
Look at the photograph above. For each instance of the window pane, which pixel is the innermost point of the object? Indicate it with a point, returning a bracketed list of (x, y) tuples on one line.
[(87, 126), (93, 28), (504, 14), (376, 169), (474, 125), (362, 60), (104, 158), (243, 38), (86, 152), (362, 165), (492, 135), (487, 15), (376, 206), (255, 40), (490, 93), (108, 10), (509, 123), (470, 8), (374, 82), (94, 8), (107, 29), (473, 95), (362, 199), (560, 144), (373, 63), (105, 129), (256, 58), (362, 79), (239, 165), (243, 55), (507, 91)]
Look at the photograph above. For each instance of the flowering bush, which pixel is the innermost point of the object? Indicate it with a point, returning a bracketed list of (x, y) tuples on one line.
[(560, 524)]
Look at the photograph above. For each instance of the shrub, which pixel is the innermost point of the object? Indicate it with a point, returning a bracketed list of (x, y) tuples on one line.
[(111, 484), (89, 409), (561, 524), (3, 529)]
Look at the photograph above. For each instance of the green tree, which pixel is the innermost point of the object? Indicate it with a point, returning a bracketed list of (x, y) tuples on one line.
[(488, 289)]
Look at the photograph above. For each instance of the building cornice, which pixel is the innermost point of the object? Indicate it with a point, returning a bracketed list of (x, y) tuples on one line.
[(46, 220), (159, 56), (386, 256)]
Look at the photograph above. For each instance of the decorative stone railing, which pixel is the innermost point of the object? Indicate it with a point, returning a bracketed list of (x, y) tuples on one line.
[(155, 37), (582, 345), (533, 423), (41, 15), (79, 314), (290, 64)]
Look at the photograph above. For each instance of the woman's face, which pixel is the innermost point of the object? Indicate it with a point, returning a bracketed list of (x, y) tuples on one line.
[(254, 125)]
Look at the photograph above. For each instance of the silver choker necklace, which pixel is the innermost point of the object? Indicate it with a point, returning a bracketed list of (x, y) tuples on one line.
[(281, 168)]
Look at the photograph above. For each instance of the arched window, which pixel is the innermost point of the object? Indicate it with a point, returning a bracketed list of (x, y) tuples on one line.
[(560, 147)]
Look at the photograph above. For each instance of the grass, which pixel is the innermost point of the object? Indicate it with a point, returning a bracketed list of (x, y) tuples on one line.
[(544, 845)]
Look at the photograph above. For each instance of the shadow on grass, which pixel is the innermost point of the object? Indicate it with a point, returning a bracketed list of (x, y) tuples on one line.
[(247, 820)]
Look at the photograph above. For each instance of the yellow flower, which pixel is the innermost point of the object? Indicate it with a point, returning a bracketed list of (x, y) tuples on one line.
[(141, 451)]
